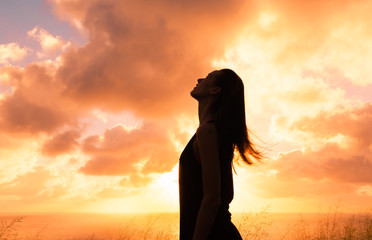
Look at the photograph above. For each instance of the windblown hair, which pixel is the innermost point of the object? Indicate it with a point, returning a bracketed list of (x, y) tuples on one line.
[(230, 117)]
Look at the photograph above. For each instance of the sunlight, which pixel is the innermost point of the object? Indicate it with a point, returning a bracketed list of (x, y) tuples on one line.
[(166, 186), (266, 19), (245, 192), (159, 196), (365, 190), (100, 120)]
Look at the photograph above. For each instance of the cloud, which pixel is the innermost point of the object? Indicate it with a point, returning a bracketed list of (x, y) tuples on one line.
[(348, 126), (18, 155), (12, 52), (34, 103), (351, 122), (19, 114), (273, 187), (51, 45), (147, 64), (63, 142), (336, 155), (144, 150), (31, 183), (329, 162), (316, 37), (44, 188)]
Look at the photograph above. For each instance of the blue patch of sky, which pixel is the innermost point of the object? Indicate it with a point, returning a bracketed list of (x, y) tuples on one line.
[(17, 17)]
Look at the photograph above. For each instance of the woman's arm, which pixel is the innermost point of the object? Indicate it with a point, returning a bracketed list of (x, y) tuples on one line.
[(210, 164)]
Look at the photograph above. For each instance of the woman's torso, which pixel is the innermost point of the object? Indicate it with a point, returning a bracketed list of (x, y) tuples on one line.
[(191, 190)]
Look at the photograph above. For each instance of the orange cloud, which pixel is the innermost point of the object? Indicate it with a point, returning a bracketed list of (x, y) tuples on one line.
[(19, 114), (349, 124), (30, 184), (338, 165), (330, 162), (34, 102), (147, 64), (61, 143), (145, 150)]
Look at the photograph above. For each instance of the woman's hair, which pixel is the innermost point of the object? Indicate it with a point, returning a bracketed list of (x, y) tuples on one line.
[(230, 117)]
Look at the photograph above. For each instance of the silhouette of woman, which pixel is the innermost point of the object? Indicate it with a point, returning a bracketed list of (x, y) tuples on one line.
[(205, 169)]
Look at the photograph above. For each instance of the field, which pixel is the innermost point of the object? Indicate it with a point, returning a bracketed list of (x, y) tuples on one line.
[(164, 226)]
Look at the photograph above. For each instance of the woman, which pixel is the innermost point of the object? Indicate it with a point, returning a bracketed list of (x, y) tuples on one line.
[(205, 174)]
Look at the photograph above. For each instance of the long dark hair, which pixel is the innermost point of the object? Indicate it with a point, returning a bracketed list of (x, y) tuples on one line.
[(230, 117)]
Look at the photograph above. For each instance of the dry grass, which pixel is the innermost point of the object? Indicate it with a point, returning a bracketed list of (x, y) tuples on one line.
[(332, 226), (8, 229), (252, 226), (255, 226)]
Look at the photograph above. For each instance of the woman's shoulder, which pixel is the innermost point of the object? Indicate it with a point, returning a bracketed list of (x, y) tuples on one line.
[(207, 130)]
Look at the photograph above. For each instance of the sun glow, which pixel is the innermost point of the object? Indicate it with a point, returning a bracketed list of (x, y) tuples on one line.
[(266, 19), (159, 196)]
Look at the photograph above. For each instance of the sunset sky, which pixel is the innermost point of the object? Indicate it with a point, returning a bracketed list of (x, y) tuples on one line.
[(95, 106)]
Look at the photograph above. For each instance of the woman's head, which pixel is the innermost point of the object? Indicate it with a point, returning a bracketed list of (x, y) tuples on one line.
[(222, 85), (227, 90), (206, 87)]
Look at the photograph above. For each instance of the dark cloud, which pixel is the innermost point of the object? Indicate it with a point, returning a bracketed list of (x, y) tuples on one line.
[(20, 115), (61, 143)]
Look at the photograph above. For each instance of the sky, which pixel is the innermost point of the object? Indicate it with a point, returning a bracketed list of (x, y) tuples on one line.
[(95, 106)]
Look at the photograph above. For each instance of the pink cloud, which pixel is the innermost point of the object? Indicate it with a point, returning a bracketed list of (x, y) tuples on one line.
[(12, 52), (51, 45), (120, 152)]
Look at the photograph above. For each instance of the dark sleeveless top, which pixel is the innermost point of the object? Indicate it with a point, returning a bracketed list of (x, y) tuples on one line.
[(191, 196)]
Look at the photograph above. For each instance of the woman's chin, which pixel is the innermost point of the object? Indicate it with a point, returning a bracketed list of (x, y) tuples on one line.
[(193, 93)]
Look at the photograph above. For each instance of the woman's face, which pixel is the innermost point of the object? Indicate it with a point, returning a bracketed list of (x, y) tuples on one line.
[(205, 86)]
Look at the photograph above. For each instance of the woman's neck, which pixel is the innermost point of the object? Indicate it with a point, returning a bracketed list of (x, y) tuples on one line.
[(205, 111)]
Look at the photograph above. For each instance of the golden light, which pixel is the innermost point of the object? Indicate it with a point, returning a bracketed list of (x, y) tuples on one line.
[(266, 19)]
